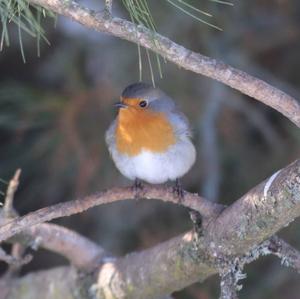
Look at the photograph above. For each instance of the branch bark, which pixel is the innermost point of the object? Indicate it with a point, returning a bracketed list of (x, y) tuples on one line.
[(80, 251), (260, 213), (289, 256), (174, 264), (187, 59), (206, 208)]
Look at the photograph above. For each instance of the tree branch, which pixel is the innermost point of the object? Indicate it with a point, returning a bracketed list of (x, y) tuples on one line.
[(12, 260), (179, 55), (8, 209), (80, 251), (174, 264), (206, 208), (256, 216), (289, 256), (259, 214)]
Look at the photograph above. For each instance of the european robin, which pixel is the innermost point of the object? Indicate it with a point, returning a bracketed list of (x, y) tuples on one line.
[(150, 139)]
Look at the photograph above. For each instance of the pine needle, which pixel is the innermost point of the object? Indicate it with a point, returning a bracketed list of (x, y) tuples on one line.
[(150, 67), (193, 15), (222, 2), (140, 14), (3, 182), (22, 14), (20, 37), (194, 8), (140, 63)]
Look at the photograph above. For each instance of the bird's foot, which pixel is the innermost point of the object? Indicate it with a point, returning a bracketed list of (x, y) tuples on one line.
[(137, 187), (178, 190)]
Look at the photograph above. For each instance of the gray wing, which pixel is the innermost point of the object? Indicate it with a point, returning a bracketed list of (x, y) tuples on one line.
[(177, 118), (180, 123)]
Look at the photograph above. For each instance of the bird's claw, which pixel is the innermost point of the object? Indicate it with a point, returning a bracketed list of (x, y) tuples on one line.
[(178, 190), (137, 188)]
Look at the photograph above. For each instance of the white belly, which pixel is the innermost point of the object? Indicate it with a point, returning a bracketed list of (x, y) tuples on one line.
[(156, 168)]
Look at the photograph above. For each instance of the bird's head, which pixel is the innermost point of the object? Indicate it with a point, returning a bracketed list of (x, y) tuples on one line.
[(142, 97)]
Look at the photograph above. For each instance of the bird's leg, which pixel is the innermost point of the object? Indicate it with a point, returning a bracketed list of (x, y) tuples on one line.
[(178, 190), (137, 187)]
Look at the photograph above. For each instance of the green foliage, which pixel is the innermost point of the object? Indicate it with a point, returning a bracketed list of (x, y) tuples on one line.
[(26, 17)]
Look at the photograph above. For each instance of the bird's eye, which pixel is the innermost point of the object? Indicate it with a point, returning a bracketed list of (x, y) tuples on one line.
[(143, 104)]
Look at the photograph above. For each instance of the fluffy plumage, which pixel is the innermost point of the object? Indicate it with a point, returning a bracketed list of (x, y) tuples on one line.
[(151, 143)]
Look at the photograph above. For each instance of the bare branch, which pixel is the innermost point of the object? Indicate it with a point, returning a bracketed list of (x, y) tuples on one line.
[(289, 256), (8, 209), (12, 260), (179, 262), (259, 214), (80, 251), (17, 252), (193, 201), (181, 56)]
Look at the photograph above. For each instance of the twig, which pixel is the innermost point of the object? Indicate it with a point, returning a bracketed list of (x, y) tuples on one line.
[(12, 260), (17, 253), (8, 208), (206, 208), (289, 256), (80, 251), (5, 257), (181, 56)]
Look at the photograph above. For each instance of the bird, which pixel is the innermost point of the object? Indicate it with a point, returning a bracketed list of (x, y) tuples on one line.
[(150, 139)]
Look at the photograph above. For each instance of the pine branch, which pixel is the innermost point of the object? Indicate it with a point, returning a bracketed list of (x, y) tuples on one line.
[(198, 63)]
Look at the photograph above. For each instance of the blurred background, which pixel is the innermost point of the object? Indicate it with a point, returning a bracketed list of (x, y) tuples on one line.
[(55, 109)]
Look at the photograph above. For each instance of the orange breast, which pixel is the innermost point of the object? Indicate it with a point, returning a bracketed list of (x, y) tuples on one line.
[(143, 129)]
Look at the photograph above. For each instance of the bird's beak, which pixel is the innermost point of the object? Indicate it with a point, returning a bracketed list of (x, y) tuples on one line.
[(120, 105)]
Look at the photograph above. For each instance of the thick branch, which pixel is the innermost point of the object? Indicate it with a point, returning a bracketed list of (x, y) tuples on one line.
[(179, 55), (80, 251), (57, 283), (163, 269), (174, 264), (259, 214), (253, 218)]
